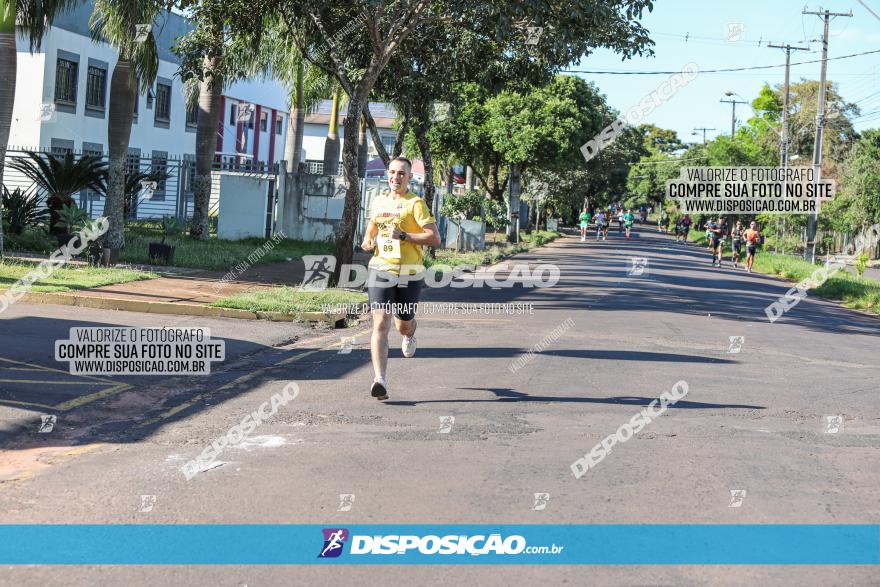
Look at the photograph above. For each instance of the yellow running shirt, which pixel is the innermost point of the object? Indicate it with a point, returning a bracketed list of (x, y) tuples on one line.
[(409, 213)]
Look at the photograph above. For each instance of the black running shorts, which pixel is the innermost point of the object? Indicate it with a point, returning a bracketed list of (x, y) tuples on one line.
[(397, 295)]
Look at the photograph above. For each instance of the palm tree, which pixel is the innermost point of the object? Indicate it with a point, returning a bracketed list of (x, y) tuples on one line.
[(203, 56), (114, 21), (279, 59), (59, 178), (34, 18)]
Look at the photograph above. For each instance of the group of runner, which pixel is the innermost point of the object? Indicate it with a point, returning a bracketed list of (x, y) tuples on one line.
[(602, 217), (717, 233), (401, 226)]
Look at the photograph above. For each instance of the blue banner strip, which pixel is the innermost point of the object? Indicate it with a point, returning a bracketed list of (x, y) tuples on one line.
[(686, 544)]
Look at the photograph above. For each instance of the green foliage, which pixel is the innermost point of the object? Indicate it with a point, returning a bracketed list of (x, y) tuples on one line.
[(21, 210), (72, 217), (659, 139), (170, 227), (59, 177), (861, 263), (462, 206), (31, 240), (768, 104), (495, 215), (860, 181)]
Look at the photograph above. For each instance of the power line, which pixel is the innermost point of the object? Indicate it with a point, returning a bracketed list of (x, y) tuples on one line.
[(672, 160), (755, 67)]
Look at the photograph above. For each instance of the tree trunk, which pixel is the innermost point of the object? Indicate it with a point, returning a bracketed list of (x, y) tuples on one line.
[(8, 64), (331, 145), (362, 147), (513, 203), (346, 232), (293, 142), (425, 149), (401, 135), (450, 181), (469, 179), (123, 92), (377, 138), (210, 92)]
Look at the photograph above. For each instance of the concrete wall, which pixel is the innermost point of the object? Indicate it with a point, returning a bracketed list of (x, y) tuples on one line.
[(243, 203)]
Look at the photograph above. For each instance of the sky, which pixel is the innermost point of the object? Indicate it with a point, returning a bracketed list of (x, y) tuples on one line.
[(687, 31)]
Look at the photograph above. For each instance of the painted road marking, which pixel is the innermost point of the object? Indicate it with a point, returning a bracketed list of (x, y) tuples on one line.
[(73, 380), (239, 380)]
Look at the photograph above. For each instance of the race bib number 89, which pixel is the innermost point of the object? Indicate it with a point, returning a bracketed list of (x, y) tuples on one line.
[(389, 248)]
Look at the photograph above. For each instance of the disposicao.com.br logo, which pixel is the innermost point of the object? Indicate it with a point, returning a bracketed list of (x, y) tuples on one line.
[(403, 544)]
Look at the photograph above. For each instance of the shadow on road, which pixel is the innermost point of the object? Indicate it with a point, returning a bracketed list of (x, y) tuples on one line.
[(510, 395)]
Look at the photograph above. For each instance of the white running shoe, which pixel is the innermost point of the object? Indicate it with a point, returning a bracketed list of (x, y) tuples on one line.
[(409, 346)]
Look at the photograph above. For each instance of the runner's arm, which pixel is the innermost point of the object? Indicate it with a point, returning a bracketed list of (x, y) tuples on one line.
[(428, 237), (370, 236)]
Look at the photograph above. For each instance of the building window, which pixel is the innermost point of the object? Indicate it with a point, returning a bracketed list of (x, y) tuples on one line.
[(163, 102), (133, 162), (278, 124), (250, 124), (61, 146), (388, 143), (96, 87), (233, 114), (65, 81), (264, 121), (192, 114)]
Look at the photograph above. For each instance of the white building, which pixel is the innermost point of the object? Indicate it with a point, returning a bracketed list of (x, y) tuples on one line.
[(62, 94), (61, 103)]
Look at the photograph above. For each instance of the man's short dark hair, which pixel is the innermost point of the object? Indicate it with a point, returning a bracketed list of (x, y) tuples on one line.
[(404, 160)]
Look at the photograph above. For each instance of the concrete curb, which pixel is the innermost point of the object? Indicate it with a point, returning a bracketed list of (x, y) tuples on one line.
[(105, 303)]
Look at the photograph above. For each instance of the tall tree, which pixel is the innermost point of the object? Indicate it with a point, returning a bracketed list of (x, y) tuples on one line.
[(115, 21), (203, 53), (34, 17)]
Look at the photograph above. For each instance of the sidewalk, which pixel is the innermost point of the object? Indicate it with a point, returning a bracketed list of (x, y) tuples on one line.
[(187, 291)]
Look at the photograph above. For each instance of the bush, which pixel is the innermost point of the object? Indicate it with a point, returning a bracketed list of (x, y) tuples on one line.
[(21, 210), (31, 240), (463, 206), (861, 263)]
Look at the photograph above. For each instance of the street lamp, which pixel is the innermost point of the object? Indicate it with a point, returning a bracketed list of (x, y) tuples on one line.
[(733, 103)]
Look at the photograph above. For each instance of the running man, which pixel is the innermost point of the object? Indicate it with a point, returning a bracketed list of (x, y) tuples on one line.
[(736, 241), (620, 220), (585, 223), (400, 226), (600, 222), (628, 220), (716, 240), (685, 227), (753, 237)]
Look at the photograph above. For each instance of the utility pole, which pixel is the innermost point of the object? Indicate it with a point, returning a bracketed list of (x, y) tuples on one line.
[(783, 144), (704, 132), (810, 245), (733, 103)]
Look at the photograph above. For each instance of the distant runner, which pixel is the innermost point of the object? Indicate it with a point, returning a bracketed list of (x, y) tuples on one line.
[(400, 226), (601, 223), (628, 220), (736, 241), (685, 227), (585, 223), (753, 237), (620, 216)]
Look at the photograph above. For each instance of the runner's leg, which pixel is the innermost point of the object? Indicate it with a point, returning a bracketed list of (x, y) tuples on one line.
[(379, 342)]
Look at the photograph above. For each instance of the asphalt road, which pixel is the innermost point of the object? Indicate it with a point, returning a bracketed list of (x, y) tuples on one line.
[(752, 420)]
